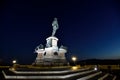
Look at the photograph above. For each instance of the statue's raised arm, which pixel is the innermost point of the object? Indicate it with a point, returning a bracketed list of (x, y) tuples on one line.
[(55, 26)]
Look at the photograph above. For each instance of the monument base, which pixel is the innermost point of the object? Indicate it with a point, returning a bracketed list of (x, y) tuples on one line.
[(51, 62)]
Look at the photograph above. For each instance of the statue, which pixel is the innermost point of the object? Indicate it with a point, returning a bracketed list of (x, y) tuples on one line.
[(39, 47), (55, 26)]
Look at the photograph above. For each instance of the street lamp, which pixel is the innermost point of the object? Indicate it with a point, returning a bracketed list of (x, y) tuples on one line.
[(74, 59), (14, 61), (14, 64)]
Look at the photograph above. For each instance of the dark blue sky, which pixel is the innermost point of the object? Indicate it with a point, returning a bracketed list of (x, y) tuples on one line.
[(89, 28)]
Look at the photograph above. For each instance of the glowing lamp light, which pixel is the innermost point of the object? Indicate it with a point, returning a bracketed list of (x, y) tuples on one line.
[(74, 58), (14, 61), (95, 69), (74, 68)]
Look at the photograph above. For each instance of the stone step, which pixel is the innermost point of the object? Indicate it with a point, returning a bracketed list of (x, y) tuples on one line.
[(90, 76), (65, 72), (110, 77), (79, 74), (103, 77), (97, 76), (85, 74), (68, 76), (42, 68)]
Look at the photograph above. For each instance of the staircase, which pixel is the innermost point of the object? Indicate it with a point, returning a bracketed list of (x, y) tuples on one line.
[(67, 74)]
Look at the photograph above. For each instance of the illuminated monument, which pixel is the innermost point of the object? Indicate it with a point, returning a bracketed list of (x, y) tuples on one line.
[(51, 54)]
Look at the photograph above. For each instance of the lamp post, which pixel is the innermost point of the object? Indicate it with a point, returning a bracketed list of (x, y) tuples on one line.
[(14, 64), (14, 61), (74, 59)]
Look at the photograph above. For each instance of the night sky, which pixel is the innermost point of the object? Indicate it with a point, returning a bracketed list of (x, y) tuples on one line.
[(88, 28)]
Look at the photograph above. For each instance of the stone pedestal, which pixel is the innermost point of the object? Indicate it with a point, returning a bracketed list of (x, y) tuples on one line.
[(51, 55)]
